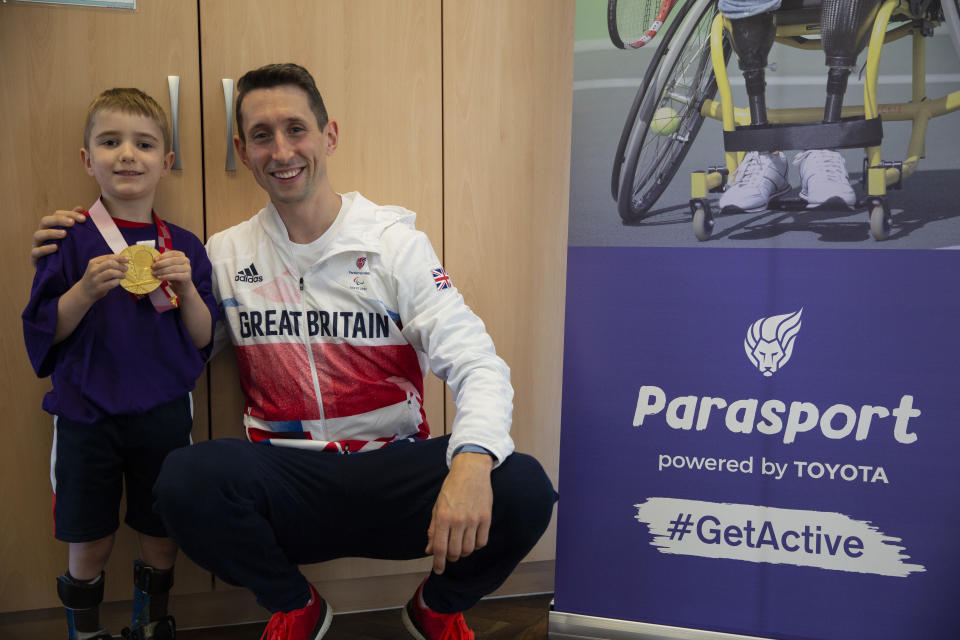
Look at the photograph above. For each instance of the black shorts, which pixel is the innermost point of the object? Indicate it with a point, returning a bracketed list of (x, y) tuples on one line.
[(90, 462)]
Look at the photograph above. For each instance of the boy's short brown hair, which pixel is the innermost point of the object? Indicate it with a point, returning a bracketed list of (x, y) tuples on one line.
[(127, 100)]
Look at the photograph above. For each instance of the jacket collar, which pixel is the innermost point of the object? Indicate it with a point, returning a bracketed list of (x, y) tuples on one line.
[(361, 228)]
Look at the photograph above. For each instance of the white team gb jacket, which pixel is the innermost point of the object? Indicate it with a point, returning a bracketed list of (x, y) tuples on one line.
[(335, 357)]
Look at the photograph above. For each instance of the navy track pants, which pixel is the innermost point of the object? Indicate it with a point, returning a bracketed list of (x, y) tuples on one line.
[(250, 513)]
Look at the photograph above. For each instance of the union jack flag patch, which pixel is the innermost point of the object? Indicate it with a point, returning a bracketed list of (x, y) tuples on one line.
[(441, 279)]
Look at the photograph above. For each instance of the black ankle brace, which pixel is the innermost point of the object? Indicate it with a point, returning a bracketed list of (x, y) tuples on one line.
[(80, 594), (150, 580), (82, 600)]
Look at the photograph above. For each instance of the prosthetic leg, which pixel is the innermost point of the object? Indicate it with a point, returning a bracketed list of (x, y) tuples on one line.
[(150, 594), (752, 38), (844, 29), (82, 601), (761, 175)]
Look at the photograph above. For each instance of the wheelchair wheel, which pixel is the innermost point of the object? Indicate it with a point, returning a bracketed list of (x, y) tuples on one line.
[(880, 219), (679, 12), (702, 219), (683, 81)]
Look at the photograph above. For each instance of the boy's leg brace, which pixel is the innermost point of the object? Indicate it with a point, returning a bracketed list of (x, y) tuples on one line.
[(82, 601), (151, 590)]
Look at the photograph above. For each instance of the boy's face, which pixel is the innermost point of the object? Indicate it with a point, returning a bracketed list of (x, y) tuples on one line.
[(126, 155)]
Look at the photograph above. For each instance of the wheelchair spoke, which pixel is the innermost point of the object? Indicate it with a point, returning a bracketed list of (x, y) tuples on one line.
[(683, 90), (681, 82)]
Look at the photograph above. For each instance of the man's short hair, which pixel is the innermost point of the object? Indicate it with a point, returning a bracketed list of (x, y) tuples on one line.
[(277, 75), (127, 100)]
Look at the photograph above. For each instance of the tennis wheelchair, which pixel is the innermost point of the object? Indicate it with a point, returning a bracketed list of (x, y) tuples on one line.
[(689, 69)]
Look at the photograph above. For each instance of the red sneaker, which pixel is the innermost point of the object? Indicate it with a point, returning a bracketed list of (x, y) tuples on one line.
[(309, 623), (423, 623)]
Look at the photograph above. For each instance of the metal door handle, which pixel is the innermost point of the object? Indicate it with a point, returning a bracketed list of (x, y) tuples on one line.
[(231, 163), (173, 84)]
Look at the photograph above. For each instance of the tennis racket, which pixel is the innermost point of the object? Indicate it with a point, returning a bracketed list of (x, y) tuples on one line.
[(634, 23)]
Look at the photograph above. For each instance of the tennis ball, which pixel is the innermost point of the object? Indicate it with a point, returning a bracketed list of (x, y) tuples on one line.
[(665, 121)]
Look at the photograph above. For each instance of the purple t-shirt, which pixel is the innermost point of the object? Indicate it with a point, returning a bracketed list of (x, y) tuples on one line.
[(124, 357)]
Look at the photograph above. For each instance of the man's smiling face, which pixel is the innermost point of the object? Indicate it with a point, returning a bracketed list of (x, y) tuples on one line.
[(283, 144)]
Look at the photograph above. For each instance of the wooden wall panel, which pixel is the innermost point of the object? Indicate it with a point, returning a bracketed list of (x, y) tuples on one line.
[(507, 100), (56, 59)]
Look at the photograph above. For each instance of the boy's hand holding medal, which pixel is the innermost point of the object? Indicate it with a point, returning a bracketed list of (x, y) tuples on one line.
[(174, 267), (139, 269), (103, 274), (148, 268)]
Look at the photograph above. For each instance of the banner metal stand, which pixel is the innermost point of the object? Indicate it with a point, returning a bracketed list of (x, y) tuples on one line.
[(573, 626)]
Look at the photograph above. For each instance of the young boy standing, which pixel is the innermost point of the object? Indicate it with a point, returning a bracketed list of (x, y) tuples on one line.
[(121, 317)]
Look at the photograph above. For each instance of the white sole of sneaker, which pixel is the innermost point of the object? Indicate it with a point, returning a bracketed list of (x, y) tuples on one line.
[(831, 203), (734, 208), (325, 626), (409, 626)]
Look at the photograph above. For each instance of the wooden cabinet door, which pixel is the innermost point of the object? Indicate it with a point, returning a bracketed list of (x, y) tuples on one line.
[(377, 65), (56, 59)]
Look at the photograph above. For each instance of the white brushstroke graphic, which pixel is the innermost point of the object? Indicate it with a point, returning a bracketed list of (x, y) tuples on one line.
[(755, 533)]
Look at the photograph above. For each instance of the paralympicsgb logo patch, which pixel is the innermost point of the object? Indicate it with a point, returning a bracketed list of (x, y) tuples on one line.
[(769, 341)]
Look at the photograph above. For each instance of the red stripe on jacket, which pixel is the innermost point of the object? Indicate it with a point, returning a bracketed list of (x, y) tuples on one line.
[(352, 379)]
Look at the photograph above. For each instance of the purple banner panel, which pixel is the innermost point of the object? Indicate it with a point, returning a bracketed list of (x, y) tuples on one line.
[(762, 442)]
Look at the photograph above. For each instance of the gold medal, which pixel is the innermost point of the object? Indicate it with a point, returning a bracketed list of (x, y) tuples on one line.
[(139, 278)]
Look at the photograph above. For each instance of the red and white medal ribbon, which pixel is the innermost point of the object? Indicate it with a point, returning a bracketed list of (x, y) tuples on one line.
[(163, 297)]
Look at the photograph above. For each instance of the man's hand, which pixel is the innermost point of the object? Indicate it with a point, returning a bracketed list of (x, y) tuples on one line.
[(44, 233), (461, 515)]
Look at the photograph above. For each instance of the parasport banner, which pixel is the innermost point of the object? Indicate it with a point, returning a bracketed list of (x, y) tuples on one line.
[(762, 442)]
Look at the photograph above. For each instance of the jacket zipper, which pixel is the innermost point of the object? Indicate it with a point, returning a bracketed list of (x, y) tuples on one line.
[(313, 365)]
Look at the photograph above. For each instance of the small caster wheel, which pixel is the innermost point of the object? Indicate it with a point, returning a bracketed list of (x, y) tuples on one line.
[(880, 218), (702, 219)]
